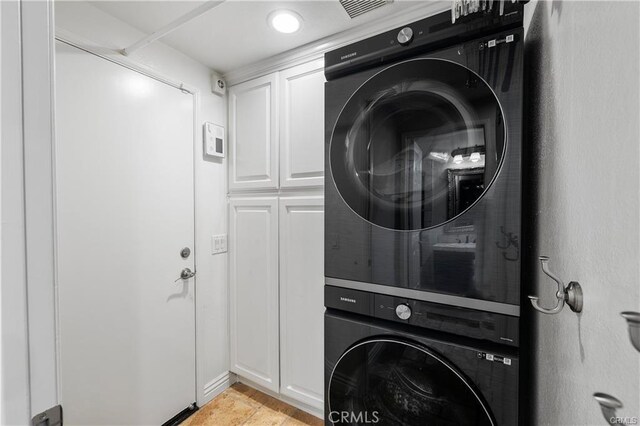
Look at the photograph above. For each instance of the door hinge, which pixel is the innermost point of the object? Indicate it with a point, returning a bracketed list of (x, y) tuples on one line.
[(50, 417)]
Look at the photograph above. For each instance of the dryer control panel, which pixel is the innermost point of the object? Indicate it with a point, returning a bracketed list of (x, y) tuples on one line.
[(429, 34)]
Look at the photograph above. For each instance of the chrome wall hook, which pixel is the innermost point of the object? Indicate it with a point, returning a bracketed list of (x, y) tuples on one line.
[(608, 405), (571, 294), (633, 322)]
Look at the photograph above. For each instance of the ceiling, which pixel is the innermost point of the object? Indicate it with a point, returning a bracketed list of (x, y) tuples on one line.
[(236, 33)]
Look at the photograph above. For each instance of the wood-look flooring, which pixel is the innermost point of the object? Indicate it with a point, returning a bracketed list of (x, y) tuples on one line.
[(242, 405)]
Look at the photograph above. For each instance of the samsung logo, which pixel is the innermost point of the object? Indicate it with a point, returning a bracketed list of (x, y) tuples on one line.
[(350, 55), (346, 299)]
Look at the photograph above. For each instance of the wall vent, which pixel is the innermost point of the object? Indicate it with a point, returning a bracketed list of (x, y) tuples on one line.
[(358, 7)]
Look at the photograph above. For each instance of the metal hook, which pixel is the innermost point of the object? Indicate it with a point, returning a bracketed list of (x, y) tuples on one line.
[(608, 405), (633, 322), (571, 294)]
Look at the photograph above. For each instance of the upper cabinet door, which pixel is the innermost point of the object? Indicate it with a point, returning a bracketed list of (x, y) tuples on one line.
[(302, 125), (253, 134)]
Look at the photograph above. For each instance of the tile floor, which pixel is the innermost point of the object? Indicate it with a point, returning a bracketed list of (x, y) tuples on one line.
[(242, 405)]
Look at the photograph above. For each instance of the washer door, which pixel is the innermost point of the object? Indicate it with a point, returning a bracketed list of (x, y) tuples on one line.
[(398, 383), (417, 144)]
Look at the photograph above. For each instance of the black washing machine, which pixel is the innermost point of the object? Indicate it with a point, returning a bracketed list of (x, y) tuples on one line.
[(423, 131), (392, 361)]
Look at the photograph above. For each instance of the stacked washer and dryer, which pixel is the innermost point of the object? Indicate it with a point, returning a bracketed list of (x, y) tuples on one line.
[(423, 224)]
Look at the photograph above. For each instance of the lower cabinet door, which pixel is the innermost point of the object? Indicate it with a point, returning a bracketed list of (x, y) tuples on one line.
[(301, 299), (253, 261)]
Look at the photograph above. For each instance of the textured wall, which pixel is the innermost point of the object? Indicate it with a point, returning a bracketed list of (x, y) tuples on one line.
[(583, 135)]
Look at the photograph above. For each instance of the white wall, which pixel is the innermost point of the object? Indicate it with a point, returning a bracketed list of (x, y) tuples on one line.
[(583, 111), (88, 22)]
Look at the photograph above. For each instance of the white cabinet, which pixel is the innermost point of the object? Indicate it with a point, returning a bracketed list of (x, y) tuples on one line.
[(276, 130), (253, 257), (302, 125), (302, 299), (276, 248), (253, 134)]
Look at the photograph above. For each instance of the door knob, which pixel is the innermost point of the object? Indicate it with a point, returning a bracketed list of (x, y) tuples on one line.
[(185, 274)]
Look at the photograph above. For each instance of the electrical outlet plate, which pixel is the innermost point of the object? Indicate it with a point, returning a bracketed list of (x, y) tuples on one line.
[(219, 244)]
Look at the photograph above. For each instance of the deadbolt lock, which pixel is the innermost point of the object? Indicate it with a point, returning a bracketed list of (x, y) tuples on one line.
[(185, 252)]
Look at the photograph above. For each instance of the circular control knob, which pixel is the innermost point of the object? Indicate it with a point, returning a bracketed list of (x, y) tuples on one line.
[(405, 36), (403, 312)]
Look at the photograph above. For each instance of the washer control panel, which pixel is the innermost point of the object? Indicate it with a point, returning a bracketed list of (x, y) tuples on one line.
[(405, 36), (403, 311), (471, 323)]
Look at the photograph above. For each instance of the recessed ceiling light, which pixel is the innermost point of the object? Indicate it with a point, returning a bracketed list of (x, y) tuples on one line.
[(285, 21)]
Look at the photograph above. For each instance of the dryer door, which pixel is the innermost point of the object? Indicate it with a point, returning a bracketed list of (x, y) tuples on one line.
[(393, 382), (417, 144)]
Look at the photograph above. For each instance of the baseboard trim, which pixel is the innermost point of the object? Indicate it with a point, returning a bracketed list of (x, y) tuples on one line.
[(297, 404), (215, 387)]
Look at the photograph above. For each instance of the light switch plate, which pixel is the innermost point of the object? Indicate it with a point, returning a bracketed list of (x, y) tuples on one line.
[(219, 244)]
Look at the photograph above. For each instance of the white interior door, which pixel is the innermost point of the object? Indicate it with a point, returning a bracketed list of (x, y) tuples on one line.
[(125, 209)]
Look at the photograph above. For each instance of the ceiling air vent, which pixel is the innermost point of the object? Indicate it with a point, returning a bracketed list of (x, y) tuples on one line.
[(358, 7)]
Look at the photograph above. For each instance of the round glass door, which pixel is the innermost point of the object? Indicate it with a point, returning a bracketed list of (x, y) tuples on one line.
[(417, 144), (392, 382)]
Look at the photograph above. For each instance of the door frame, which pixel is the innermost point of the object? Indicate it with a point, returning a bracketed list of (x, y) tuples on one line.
[(36, 23), (37, 38), (15, 405)]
